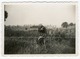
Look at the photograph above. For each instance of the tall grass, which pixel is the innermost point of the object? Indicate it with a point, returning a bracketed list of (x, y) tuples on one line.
[(61, 41)]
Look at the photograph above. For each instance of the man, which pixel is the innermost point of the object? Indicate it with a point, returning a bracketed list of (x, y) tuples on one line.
[(42, 32)]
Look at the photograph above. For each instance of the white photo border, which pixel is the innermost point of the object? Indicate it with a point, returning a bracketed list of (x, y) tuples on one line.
[(44, 55)]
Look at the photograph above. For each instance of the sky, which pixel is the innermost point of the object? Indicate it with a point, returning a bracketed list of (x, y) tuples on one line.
[(40, 13)]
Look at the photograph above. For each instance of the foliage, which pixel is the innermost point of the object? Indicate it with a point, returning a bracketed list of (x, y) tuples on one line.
[(71, 24), (64, 25), (22, 41), (5, 15)]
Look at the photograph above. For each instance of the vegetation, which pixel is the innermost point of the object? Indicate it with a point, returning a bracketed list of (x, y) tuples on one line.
[(6, 15), (20, 40), (65, 24)]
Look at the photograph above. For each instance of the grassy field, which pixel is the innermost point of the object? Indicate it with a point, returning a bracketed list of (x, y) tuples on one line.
[(24, 42)]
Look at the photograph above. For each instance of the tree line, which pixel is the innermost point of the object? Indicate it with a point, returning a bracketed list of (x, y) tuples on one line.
[(65, 24)]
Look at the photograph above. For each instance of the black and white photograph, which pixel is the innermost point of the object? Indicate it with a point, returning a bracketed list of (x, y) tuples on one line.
[(40, 28)]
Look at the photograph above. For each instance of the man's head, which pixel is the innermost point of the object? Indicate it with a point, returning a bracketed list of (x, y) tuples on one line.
[(41, 29)]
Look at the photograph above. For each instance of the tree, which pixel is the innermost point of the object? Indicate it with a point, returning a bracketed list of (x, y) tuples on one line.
[(64, 25), (71, 24), (5, 15)]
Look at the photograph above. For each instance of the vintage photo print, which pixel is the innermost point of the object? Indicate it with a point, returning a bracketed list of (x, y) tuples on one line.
[(40, 28)]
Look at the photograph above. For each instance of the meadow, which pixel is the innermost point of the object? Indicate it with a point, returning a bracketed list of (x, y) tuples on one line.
[(21, 41)]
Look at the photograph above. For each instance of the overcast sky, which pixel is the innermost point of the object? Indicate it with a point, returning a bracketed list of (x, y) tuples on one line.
[(40, 13)]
